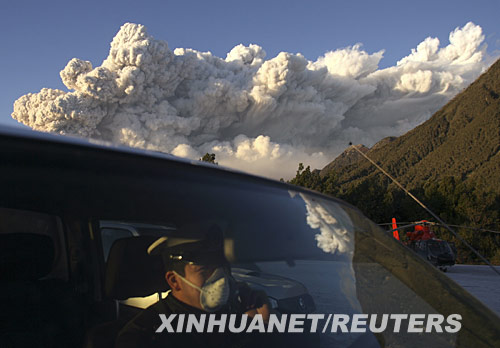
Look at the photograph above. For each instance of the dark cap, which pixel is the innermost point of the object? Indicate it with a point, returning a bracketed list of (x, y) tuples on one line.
[(191, 250)]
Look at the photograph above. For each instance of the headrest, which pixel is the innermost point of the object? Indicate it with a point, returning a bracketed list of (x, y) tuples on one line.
[(25, 256), (131, 272)]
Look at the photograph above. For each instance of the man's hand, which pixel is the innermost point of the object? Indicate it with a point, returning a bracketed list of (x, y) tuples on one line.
[(254, 302)]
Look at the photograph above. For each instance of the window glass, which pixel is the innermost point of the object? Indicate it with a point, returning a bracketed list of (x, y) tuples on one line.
[(313, 255)]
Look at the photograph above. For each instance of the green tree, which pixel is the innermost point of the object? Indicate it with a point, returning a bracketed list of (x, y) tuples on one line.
[(308, 179), (209, 157)]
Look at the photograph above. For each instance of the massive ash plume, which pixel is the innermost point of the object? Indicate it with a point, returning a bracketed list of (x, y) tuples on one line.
[(258, 115)]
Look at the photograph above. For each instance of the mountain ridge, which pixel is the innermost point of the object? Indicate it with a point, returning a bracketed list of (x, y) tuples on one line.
[(451, 162), (458, 140)]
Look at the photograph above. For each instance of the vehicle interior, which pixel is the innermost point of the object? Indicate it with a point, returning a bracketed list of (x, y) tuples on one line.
[(75, 223)]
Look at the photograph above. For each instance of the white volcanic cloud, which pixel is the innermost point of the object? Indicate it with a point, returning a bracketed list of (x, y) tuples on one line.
[(336, 236), (262, 116)]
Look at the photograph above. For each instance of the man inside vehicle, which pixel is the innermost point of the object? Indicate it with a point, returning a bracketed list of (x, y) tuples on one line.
[(200, 281)]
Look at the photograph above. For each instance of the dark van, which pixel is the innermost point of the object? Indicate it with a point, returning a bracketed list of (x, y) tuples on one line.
[(76, 218)]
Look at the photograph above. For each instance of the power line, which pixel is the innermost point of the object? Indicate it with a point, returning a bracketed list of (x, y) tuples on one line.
[(427, 209)]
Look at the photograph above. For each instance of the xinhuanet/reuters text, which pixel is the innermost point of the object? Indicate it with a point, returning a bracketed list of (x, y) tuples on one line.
[(309, 323)]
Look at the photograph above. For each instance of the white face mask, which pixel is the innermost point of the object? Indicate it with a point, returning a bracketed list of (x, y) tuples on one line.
[(214, 293)]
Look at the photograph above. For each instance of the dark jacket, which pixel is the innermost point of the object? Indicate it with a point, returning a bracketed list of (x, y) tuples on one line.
[(141, 331)]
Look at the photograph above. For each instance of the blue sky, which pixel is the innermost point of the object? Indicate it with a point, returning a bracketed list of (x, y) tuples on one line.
[(39, 37)]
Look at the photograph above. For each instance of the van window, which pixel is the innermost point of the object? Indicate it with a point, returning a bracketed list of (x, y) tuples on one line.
[(109, 235), (20, 228)]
